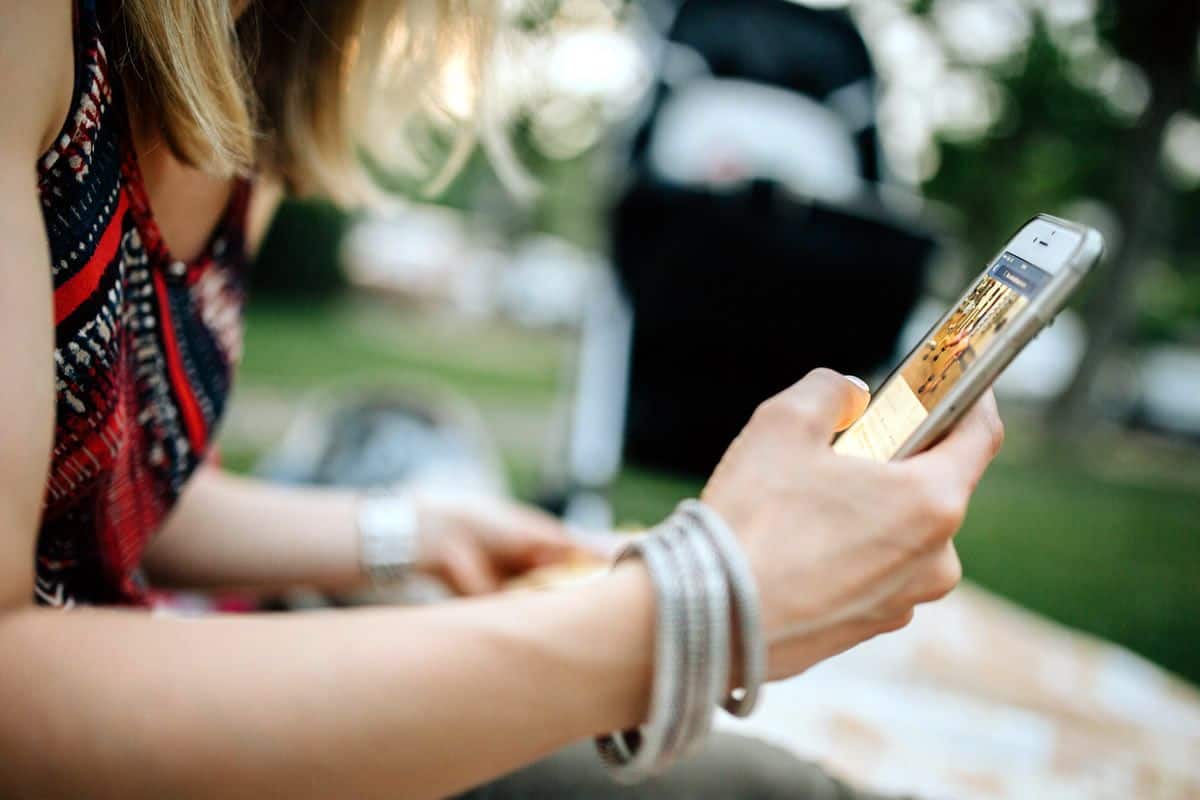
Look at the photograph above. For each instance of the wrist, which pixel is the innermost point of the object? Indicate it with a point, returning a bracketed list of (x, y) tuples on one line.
[(440, 521), (705, 601), (616, 673)]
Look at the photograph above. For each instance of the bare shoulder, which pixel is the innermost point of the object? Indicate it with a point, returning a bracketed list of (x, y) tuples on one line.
[(37, 71), (37, 68)]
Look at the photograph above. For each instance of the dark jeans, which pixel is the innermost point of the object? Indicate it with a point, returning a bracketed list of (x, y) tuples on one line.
[(728, 768)]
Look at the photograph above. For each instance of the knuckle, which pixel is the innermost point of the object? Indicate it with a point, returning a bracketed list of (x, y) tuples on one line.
[(776, 408), (940, 510), (806, 420), (790, 411), (940, 578), (762, 414), (916, 497), (918, 485), (897, 606), (912, 483), (823, 374), (941, 515), (764, 408), (897, 622), (946, 513), (947, 575), (792, 407), (995, 432), (929, 595)]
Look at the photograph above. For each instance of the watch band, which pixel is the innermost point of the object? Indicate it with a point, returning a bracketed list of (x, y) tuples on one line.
[(388, 536)]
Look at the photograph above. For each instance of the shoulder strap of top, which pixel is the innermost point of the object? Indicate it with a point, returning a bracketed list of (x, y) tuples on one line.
[(86, 32), (90, 76)]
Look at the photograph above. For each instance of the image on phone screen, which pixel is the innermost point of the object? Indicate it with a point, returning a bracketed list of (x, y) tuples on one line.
[(940, 361)]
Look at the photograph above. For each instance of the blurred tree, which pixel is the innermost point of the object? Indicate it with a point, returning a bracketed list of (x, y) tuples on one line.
[(298, 257), (1059, 141), (1160, 36)]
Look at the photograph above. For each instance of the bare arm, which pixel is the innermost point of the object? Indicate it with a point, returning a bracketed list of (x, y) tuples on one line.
[(232, 532), (27, 126), (373, 703)]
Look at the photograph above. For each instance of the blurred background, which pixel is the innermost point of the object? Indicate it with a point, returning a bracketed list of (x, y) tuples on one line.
[(708, 199)]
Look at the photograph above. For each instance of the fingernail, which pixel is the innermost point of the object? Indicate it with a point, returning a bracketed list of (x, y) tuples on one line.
[(859, 382)]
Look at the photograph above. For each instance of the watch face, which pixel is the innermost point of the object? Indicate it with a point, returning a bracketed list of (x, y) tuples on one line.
[(387, 531)]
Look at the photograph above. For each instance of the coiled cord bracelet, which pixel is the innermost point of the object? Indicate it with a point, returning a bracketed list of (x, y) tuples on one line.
[(707, 611)]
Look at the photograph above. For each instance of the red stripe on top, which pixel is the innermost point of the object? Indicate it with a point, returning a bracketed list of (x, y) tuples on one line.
[(193, 418), (82, 284)]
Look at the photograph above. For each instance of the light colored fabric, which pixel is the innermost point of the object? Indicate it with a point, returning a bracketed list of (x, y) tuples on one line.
[(979, 698)]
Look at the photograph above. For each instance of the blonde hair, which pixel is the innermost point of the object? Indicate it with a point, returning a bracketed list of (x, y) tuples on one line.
[(309, 91)]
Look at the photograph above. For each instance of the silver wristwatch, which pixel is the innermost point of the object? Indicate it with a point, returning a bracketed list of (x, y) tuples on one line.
[(388, 536)]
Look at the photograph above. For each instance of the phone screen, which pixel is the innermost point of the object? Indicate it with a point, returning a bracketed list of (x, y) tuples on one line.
[(939, 362)]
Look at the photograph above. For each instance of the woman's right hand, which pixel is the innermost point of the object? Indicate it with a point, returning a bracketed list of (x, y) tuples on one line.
[(843, 548)]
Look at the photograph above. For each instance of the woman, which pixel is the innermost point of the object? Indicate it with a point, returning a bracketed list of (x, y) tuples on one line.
[(117, 364)]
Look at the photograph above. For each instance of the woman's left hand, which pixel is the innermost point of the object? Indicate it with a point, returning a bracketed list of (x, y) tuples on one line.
[(476, 542)]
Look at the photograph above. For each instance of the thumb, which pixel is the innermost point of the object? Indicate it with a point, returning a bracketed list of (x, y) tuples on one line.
[(468, 570), (526, 537), (823, 402), (538, 526)]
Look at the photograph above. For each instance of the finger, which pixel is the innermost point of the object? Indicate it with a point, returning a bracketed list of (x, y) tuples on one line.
[(533, 538), (936, 576), (602, 545), (862, 398), (821, 403), (468, 570), (538, 554), (961, 458), (535, 524)]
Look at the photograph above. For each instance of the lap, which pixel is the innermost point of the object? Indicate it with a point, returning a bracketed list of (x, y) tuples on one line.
[(726, 767)]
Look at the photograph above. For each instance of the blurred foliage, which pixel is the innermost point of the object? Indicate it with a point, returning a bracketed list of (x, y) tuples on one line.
[(568, 198), (298, 257), (1058, 146), (1034, 157)]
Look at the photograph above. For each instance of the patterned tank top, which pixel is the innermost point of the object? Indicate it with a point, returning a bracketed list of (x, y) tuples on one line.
[(144, 346)]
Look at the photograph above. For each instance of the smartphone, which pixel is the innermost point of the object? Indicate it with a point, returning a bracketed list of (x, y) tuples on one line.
[(1017, 296)]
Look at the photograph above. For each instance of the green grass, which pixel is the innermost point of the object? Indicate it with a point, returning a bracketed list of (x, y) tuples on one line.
[(1108, 542), (1118, 560), (293, 347)]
